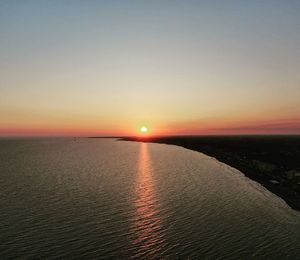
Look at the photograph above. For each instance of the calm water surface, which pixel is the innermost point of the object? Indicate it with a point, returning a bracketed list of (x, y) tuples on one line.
[(102, 198)]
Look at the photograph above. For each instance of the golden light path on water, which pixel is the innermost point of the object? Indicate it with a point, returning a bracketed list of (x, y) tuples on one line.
[(148, 237)]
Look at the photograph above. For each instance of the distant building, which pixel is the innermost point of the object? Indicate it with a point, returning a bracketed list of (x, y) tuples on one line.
[(293, 175)]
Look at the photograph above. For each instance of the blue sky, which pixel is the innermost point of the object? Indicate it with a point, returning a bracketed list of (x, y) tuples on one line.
[(178, 66)]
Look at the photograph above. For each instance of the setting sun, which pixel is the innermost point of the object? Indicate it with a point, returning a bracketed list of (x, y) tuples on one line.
[(174, 127), (144, 129)]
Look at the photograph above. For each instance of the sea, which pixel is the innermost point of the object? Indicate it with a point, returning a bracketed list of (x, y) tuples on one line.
[(84, 198)]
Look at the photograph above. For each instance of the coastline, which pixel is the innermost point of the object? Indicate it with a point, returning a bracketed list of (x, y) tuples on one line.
[(268, 160)]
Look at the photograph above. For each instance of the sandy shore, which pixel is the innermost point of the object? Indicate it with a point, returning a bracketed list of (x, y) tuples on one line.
[(273, 161)]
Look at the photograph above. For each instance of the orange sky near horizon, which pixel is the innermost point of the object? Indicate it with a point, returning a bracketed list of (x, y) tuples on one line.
[(265, 127), (179, 68)]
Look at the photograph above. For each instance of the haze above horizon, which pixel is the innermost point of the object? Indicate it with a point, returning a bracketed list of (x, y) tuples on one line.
[(175, 67)]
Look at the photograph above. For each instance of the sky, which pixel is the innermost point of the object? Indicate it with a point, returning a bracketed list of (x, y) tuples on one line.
[(84, 68)]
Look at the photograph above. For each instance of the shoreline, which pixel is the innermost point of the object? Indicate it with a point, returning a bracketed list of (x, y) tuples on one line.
[(268, 160)]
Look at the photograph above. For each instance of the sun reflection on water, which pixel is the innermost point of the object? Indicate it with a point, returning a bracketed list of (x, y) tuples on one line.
[(148, 236)]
